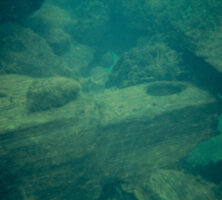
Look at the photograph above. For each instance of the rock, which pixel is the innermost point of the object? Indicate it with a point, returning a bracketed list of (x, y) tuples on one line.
[(51, 22), (45, 94), (14, 113), (149, 63), (35, 134), (113, 133), (25, 52), (149, 131), (48, 18), (172, 95)]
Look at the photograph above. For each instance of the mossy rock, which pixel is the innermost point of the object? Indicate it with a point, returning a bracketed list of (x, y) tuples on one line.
[(151, 62), (45, 94), (25, 52), (51, 22)]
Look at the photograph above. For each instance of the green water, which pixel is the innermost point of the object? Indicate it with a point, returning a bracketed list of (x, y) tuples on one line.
[(110, 100)]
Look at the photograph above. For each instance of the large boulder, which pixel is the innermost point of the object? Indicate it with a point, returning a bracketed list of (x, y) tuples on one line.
[(25, 52), (51, 22), (45, 94)]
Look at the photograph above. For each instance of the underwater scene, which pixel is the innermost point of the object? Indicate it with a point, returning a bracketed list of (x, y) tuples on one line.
[(110, 100)]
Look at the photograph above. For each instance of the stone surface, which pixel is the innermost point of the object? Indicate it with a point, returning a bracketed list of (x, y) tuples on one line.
[(135, 103), (15, 114), (97, 139), (44, 94)]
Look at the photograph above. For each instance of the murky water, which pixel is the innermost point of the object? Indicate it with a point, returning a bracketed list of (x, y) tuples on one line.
[(110, 100)]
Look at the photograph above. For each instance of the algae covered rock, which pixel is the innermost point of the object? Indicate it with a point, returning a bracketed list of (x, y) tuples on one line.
[(45, 94), (152, 62), (51, 22)]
